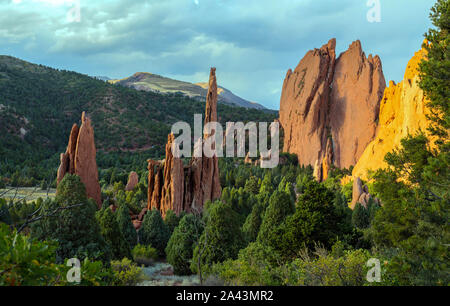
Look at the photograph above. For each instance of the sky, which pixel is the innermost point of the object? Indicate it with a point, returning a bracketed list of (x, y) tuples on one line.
[(252, 43)]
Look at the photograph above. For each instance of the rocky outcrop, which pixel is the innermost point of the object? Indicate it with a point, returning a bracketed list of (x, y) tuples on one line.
[(206, 183), (133, 180), (80, 159), (173, 189), (329, 108), (402, 111), (173, 186), (360, 194)]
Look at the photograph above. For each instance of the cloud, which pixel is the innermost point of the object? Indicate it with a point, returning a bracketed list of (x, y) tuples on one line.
[(252, 43)]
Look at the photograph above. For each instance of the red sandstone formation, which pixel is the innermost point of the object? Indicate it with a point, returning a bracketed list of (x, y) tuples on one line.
[(80, 159), (173, 189), (133, 180), (186, 188), (329, 107)]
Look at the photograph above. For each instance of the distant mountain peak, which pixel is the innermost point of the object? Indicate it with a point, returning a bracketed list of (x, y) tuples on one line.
[(153, 82)]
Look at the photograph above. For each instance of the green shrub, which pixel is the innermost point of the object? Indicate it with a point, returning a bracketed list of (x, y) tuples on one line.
[(145, 255), (256, 266), (126, 273), (25, 261)]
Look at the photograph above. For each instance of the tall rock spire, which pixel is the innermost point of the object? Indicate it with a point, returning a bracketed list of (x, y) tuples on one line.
[(186, 188), (80, 159)]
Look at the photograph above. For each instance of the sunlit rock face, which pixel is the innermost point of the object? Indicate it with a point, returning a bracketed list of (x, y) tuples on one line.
[(329, 107), (403, 110)]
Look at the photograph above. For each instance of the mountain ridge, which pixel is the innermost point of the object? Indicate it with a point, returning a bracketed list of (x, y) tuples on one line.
[(147, 81)]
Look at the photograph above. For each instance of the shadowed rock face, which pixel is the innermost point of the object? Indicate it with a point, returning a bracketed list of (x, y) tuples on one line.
[(186, 188), (80, 159), (329, 108)]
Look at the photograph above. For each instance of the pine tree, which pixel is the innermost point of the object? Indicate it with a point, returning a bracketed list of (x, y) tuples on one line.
[(181, 244), (112, 234), (154, 231), (76, 229), (126, 226)]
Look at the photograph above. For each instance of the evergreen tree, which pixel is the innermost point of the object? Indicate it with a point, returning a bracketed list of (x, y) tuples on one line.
[(316, 220), (154, 231), (181, 244), (252, 185), (222, 238), (360, 216), (280, 206), (111, 233), (171, 220), (76, 228), (253, 222), (126, 226)]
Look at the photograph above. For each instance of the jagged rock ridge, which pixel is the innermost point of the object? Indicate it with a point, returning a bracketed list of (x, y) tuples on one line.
[(329, 107), (403, 110)]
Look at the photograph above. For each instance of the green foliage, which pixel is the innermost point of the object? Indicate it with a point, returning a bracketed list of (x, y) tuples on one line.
[(316, 220), (5, 216), (76, 228), (252, 185), (222, 238), (435, 69), (280, 206), (109, 229), (126, 273), (126, 226), (324, 269), (25, 261), (182, 242), (142, 253), (171, 220), (154, 231), (252, 224), (255, 266), (360, 216)]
